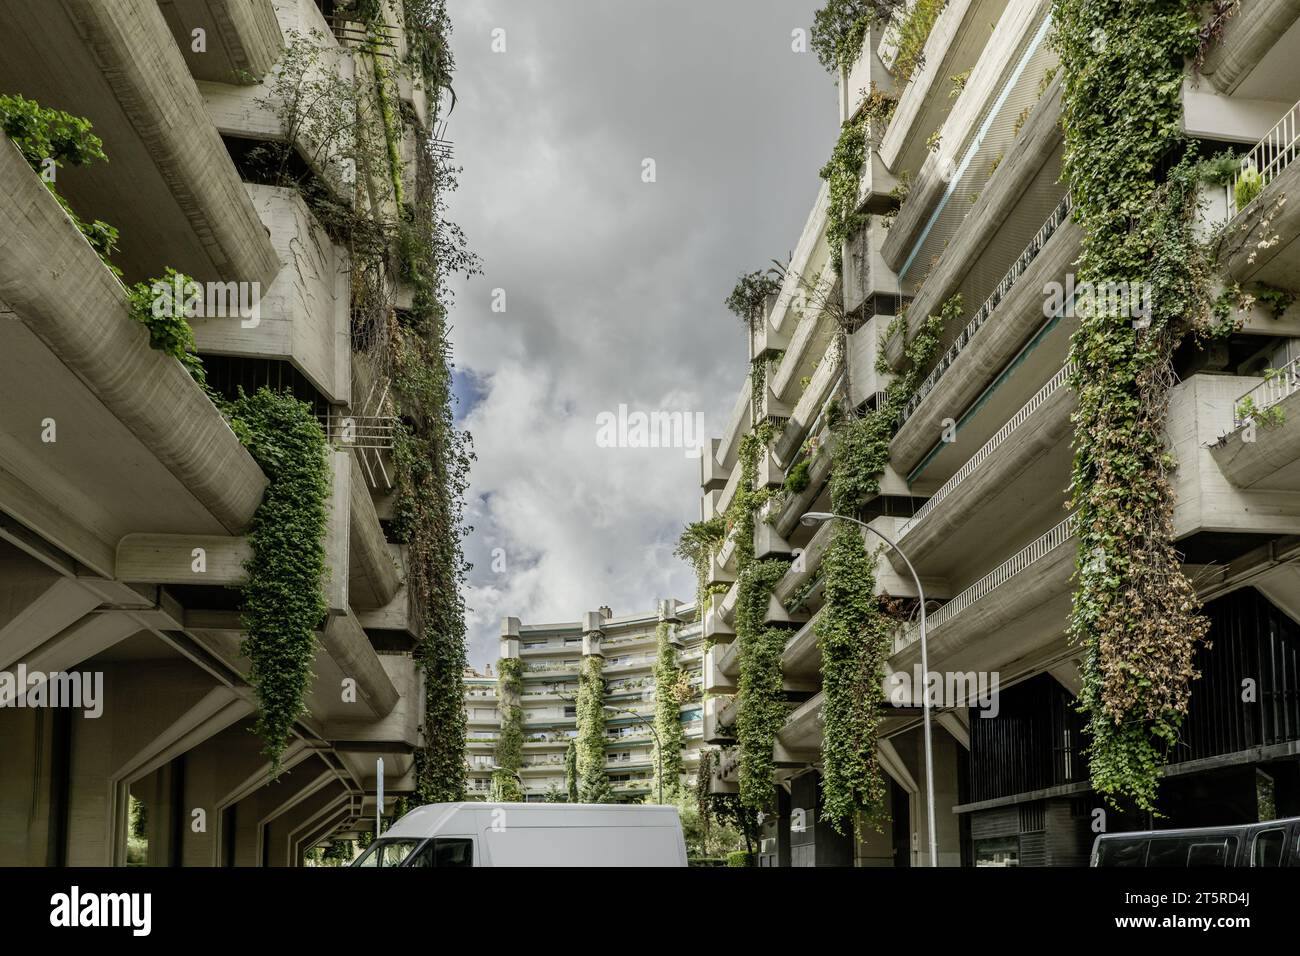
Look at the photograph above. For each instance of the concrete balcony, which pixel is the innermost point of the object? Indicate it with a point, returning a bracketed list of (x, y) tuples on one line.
[(139, 447), (1002, 86), (1014, 480), (863, 349), (258, 112), (716, 722), (718, 680), (716, 626), (712, 477), (304, 314), (956, 41), (169, 186), (1257, 49), (799, 742), (807, 413), (739, 424), (866, 274), (812, 333), (801, 662), (1012, 612), (999, 329), (868, 70), (1225, 482), (1260, 243), (243, 38)]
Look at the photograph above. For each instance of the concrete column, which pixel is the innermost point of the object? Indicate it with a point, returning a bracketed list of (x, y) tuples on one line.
[(252, 814), (33, 750), (283, 832), (907, 766)]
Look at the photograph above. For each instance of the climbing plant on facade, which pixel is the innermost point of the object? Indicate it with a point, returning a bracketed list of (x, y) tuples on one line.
[(50, 139), (509, 751), (854, 632), (668, 723), (593, 778), (1134, 612), (283, 603)]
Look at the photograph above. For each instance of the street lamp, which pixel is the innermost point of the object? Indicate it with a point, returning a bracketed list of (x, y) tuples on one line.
[(659, 750), (817, 517)]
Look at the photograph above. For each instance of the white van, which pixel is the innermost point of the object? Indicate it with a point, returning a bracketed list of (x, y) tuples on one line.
[(531, 834)]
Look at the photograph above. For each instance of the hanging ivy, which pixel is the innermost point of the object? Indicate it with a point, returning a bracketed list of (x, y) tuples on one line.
[(593, 779), (571, 771), (854, 631), (283, 603), (509, 753), (668, 722), (1134, 612)]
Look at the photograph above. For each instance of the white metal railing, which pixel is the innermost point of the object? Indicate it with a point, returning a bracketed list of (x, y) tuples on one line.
[(1059, 215), (993, 580), (1275, 387), (1270, 156), (990, 446)]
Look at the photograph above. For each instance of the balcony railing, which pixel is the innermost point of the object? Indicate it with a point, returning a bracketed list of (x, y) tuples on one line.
[(1036, 244), (1278, 385), (993, 580), (990, 446), (1270, 156)]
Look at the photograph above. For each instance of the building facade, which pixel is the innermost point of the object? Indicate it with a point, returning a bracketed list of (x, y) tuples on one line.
[(551, 658), (961, 227), (200, 555)]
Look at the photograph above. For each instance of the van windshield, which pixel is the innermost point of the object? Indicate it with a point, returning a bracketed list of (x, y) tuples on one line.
[(387, 853)]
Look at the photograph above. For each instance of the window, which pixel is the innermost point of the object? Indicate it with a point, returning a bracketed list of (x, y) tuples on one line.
[(446, 851), (1267, 848), (1122, 852), (570, 711), (1209, 854), (1003, 851), (387, 853)]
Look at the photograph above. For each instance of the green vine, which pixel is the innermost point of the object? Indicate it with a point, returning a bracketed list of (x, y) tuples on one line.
[(593, 778), (1134, 612), (853, 631), (283, 603), (509, 754), (668, 721), (49, 139), (698, 542), (154, 305), (571, 771)]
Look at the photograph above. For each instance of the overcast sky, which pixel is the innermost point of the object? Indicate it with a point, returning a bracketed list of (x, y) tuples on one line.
[(613, 287)]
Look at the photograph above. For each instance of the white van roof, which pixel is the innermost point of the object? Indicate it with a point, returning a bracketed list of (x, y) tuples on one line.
[(436, 818)]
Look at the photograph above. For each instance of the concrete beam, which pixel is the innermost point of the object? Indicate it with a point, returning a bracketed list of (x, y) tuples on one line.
[(373, 570), (86, 324), (136, 53), (345, 641), (183, 559), (243, 37)]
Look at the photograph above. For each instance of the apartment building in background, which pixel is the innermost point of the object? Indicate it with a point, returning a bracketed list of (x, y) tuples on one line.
[(551, 656), (126, 498), (979, 466)]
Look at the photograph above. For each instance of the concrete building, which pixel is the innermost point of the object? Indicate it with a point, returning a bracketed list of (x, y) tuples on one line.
[(551, 656), (126, 498), (980, 459)]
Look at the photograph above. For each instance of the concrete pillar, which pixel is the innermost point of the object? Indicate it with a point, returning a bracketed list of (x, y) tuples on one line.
[(907, 765), (249, 817), (283, 832), (510, 637)]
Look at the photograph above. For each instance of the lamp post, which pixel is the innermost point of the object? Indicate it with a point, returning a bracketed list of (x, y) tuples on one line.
[(817, 517), (659, 750)]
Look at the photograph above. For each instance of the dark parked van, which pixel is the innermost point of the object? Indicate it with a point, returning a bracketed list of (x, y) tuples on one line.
[(1274, 843)]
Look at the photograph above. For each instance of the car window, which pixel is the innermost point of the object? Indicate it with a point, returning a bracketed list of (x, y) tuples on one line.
[(1208, 854), (1169, 851), (453, 851), (387, 853), (1123, 853), (1267, 848)]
